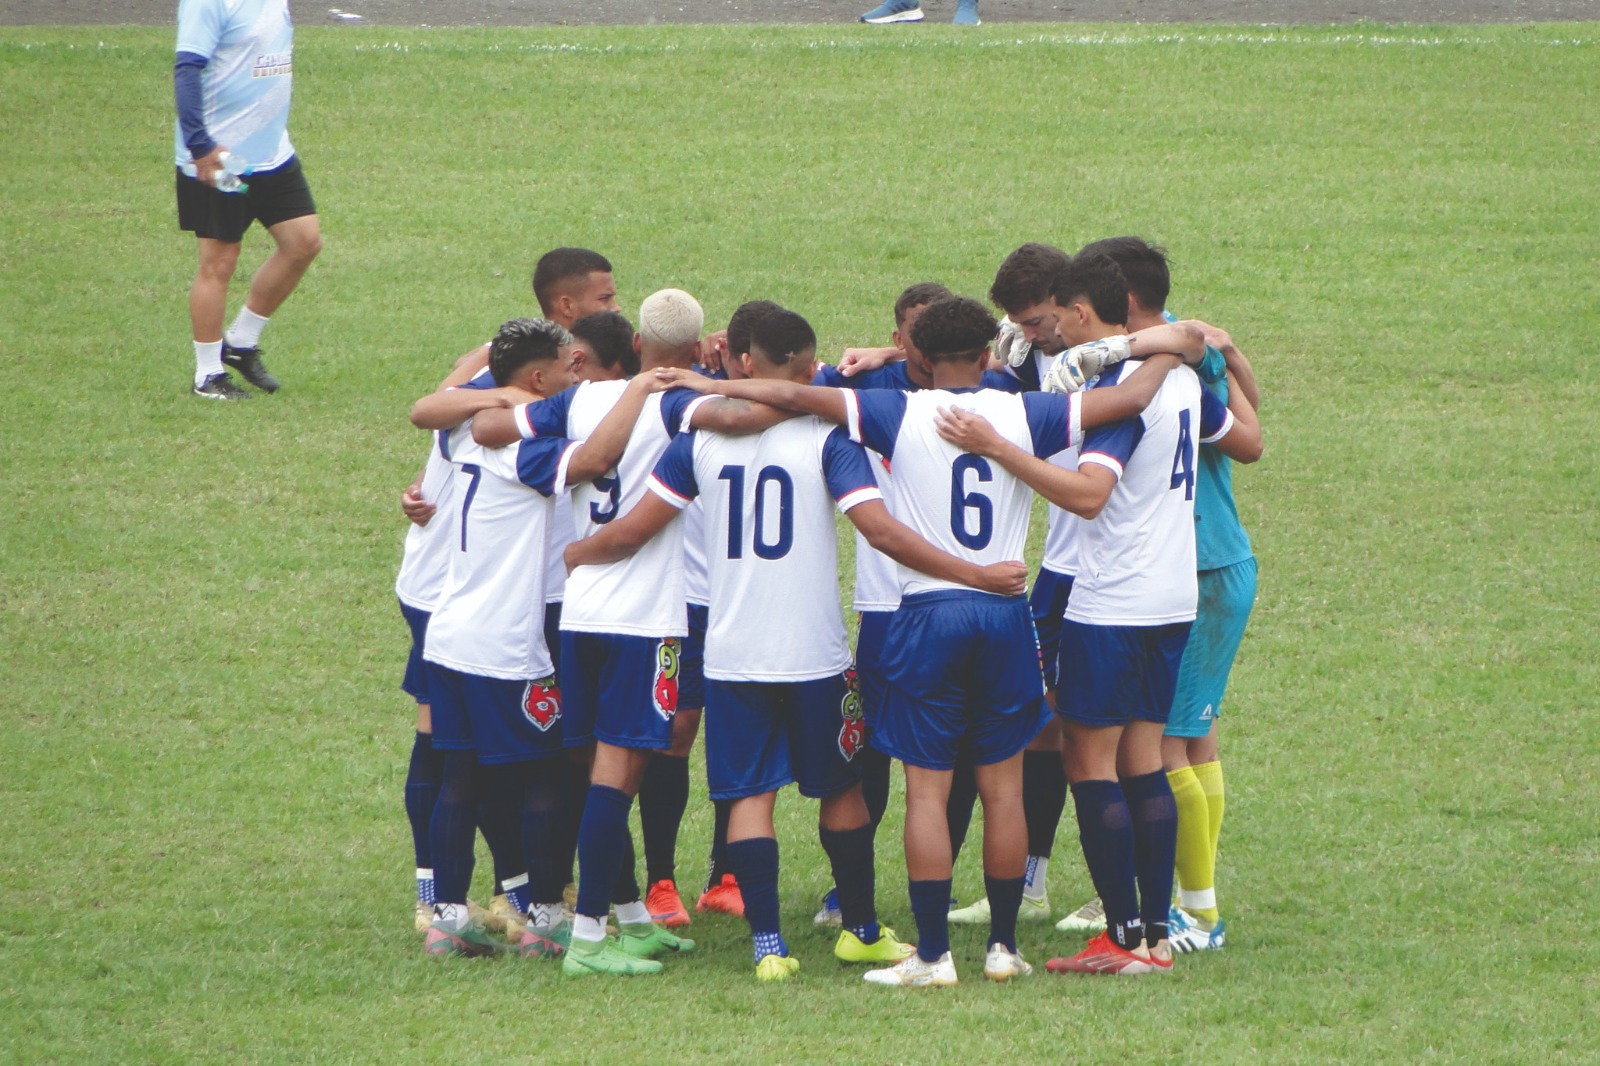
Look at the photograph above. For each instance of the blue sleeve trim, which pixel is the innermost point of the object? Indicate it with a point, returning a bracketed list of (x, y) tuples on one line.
[(673, 403), (1049, 421), (845, 466), (1213, 414), (191, 105), (995, 379), (675, 468), (539, 462), (549, 417), (1118, 440), (882, 412)]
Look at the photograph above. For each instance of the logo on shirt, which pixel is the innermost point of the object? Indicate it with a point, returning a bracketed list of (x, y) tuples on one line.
[(853, 733), (541, 703), (271, 65), (664, 690)]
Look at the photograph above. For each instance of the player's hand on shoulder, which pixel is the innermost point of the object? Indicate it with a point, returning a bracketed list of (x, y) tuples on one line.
[(1215, 336), (968, 431), (1004, 579), (511, 396), (414, 507), (861, 360), (714, 350), (674, 378)]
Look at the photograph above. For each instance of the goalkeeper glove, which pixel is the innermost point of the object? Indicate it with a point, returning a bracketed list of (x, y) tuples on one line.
[(1079, 364)]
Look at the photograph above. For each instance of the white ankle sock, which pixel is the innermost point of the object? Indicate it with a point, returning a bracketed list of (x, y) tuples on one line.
[(246, 329), (635, 913), (451, 916), (590, 929), (207, 360)]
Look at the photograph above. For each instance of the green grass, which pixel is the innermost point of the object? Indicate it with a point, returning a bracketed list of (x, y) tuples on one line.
[(206, 858)]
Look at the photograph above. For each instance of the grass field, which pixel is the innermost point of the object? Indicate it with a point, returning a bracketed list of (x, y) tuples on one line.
[(206, 857)]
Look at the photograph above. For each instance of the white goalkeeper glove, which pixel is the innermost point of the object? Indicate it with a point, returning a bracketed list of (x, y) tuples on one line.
[(1079, 364), (1010, 346)]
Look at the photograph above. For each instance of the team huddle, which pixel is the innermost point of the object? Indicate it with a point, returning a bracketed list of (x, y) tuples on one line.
[(620, 531)]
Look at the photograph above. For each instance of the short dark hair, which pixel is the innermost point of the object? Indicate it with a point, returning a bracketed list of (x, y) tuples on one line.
[(782, 336), (954, 329), (1097, 279), (1143, 264), (1025, 277), (610, 336), (921, 294), (743, 322), (522, 341), (564, 264)]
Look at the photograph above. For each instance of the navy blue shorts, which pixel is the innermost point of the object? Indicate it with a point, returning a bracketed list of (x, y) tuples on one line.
[(1119, 673), (1048, 605), (870, 637), (503, 721), (762, 735), (692, 682), (620, 689), (552, 635), (415, 683), (962, 669)]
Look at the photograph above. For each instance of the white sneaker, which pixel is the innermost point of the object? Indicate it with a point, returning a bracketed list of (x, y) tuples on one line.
[(972, 914), (1089, 918), (1187, 934), (1034, 910), (914, 973), (1002, 964)]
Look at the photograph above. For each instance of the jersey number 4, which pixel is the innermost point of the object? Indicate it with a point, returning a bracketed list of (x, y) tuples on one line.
[(963, 501), (1183, 459), (765, 546)]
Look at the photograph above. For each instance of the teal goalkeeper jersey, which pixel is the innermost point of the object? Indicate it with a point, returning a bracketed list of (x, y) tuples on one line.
[(1219, 538)]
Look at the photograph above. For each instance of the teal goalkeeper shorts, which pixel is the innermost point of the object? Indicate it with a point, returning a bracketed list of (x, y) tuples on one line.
[(1226, 596)]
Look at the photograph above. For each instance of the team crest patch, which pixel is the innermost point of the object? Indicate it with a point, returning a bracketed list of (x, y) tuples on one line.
[(541, 703), (664, 690), (853, 733)]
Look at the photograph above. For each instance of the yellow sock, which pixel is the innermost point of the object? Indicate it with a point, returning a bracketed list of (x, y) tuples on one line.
[(1209, 775), (1196, 865)]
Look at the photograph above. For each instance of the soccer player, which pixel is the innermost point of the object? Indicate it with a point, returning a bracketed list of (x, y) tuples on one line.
[(496, 705), (231, 81), (780, 707), (1227, 591), (961, 666), (1128, 617), (622, 630)]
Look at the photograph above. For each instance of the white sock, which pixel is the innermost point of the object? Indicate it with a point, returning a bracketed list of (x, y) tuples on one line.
[(1033, 881), (591, 929), (207, 360), (635, 913), (545, 915), (246, 329), (451, 916)]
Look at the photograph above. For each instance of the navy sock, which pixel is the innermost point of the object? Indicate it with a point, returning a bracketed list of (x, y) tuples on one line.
[(541, 819), (422, 792), (574, 794), (600, 848), (453, 828), (1155, 846), (1005, 898), (1044, 794), (755, 865), (958, 809), (625, 889), (875, 766), (663, 797), (850, 855), (500, 821), (718, 864), (930, 906), (1105, 829)]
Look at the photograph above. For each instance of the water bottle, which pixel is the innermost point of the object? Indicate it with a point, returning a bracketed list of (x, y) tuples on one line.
[(228, 174)]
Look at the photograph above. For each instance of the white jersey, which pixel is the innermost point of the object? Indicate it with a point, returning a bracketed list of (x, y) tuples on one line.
[(644, 594), (490, 619), (877, 575), (696, 580), (1136, 560), (770, 543), (561, 534), (963, 503), (1061, 526), (426, 556)]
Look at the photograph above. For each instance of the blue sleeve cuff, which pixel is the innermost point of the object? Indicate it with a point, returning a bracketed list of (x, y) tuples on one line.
[(191, 109)]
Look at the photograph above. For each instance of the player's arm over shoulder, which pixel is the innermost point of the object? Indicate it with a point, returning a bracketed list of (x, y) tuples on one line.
[(1234, 430)]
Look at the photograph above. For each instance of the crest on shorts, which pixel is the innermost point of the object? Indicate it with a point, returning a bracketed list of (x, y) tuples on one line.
[(664, 690), (853, 733), (541, 703)]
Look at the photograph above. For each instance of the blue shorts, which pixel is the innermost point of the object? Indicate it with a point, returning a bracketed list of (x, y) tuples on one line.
[(503, 721), (415, 683), (870, 636), (552, 634), (692, 682), (1048, 605), (1226, 596), (762, 735), (620, 689), (1119, 673), (962, 669)]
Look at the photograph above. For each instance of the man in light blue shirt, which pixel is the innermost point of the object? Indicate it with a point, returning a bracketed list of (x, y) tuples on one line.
[(231, 81)]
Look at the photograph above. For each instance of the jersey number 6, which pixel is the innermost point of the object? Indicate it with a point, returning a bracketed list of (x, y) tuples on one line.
[(962, 501)]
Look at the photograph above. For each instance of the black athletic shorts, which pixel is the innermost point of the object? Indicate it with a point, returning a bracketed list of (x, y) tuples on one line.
[(274, 196)]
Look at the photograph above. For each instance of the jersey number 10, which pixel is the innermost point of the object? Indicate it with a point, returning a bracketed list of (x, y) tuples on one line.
[(765, 545)]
